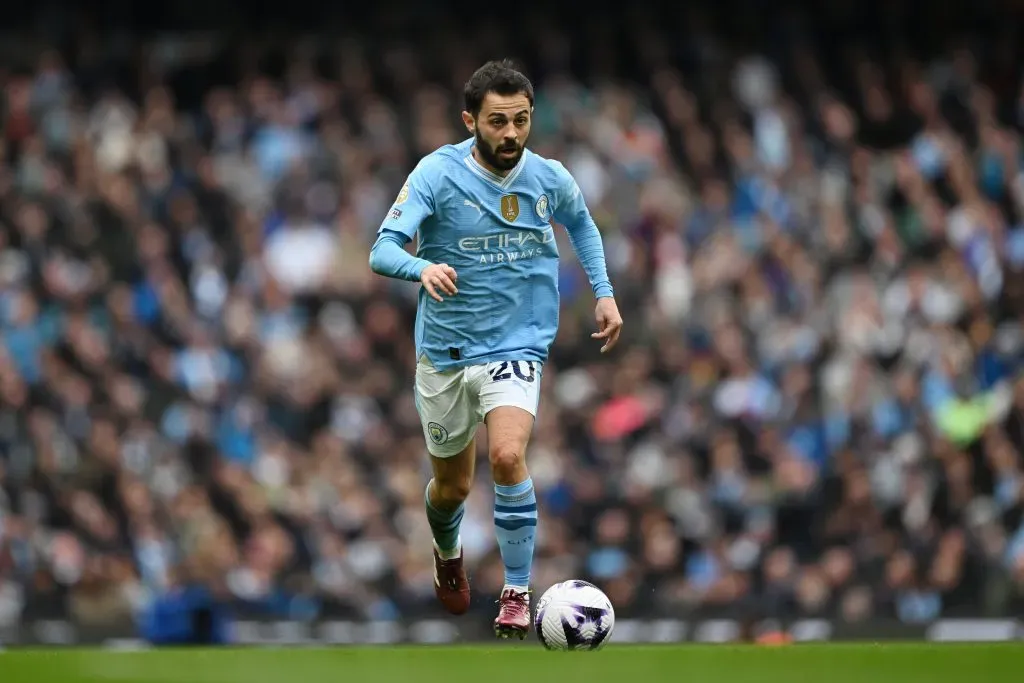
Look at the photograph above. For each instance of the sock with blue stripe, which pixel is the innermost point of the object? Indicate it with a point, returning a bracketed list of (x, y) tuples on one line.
[(444, 526), (515, 523)]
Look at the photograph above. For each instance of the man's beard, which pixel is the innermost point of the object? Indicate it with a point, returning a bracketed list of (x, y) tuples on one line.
[(491, 155)]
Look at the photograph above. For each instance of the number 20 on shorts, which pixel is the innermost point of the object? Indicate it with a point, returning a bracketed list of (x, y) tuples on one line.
[(502, 371)]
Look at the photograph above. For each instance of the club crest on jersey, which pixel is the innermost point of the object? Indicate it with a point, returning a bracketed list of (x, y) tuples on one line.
[(510, 207), (541, 207), (403, 194)]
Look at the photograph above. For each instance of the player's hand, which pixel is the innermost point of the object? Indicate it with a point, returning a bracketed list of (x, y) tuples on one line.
[(609, 322), (439, 277)]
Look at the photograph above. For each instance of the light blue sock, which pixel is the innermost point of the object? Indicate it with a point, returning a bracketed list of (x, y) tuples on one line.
[(445, 527), (515, 523)]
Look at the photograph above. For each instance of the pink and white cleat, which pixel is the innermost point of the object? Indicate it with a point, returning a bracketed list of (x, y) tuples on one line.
[(513, 614)]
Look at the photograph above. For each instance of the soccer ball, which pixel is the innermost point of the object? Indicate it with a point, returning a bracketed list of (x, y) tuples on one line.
[(574, 615)]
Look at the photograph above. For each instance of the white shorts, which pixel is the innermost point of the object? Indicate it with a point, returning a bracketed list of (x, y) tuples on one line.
[(451, 403)]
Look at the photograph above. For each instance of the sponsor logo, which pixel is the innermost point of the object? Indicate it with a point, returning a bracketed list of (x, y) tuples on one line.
[(466, 202), (509, 246)]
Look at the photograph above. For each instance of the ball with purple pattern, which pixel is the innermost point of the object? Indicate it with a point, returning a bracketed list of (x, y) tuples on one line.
[(574, 615)]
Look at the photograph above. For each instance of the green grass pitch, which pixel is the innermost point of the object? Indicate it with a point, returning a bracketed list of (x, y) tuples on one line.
[(899, 663)]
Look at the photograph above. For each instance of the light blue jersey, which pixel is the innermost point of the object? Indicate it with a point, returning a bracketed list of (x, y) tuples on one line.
[(497, 232)]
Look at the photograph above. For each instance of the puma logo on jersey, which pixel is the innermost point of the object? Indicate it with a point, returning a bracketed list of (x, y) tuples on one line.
[(466, 202)]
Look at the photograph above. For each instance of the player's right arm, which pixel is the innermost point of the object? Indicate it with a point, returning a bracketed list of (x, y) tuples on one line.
[(388, 257)]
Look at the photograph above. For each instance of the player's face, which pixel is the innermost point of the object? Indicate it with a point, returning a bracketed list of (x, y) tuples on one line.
[(501, 129)]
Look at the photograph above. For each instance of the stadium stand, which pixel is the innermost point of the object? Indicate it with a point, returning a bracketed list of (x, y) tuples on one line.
[(817, 408)]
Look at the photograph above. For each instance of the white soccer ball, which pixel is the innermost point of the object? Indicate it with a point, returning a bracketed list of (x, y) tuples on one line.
[(574, 615)]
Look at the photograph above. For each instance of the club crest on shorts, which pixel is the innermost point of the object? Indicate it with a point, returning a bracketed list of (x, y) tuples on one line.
[(541, 207), (438, 434), (510, 207)]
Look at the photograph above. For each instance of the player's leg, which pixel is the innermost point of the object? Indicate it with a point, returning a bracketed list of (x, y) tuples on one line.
[(446, 505), (510, 396), (449, 419), (515, 514), (446, 498)]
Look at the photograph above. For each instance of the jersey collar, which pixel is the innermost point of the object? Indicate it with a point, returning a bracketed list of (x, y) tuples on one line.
[(494, 178)]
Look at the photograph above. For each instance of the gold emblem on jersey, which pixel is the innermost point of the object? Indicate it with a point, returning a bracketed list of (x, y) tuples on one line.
[(510, 207), (403, 194)]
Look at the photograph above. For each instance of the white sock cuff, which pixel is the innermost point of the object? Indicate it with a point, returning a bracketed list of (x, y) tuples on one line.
[(450, 554)]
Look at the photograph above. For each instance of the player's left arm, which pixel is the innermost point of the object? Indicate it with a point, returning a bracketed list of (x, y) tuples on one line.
[(570, 209)]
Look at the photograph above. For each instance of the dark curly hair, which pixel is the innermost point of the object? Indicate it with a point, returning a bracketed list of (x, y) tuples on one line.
[(498, 76)]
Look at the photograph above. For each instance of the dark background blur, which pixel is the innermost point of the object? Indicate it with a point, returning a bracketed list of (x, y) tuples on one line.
[(812, 216)]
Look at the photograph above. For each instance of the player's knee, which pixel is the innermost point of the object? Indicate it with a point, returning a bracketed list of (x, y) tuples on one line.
[(507, 463), (453, 490)]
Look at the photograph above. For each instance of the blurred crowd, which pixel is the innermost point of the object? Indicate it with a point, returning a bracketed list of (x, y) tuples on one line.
[(817, 408)]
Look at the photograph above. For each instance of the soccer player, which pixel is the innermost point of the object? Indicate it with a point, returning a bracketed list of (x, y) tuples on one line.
[(483, 211)]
